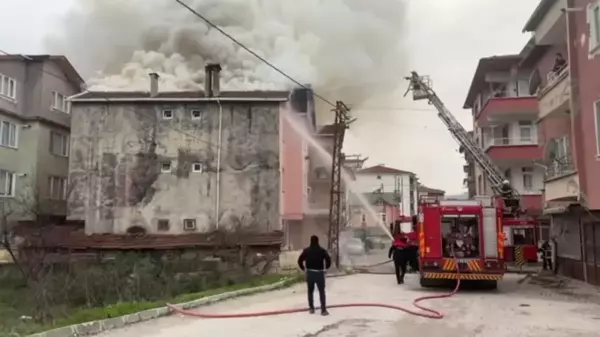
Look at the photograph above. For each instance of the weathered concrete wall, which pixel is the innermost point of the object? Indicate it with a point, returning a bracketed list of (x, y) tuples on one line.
[(118, 151)]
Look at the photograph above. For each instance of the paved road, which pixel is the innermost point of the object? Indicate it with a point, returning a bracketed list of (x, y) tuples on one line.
[(517, 309)]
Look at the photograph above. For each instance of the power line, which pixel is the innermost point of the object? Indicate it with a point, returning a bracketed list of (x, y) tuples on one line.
[(272, 66)]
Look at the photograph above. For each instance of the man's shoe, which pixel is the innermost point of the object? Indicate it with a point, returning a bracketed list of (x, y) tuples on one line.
[(311, 311), (324, 313)]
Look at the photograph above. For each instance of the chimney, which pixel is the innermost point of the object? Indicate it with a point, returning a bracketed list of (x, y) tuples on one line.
[(153, 84), (212, 80)]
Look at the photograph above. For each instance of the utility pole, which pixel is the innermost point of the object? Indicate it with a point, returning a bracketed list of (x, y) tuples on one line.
[(336, 207)]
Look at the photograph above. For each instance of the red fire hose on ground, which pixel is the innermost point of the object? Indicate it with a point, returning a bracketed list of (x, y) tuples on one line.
[(425, 312)]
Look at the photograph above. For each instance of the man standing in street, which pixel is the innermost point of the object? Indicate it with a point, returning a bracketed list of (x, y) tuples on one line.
[(399, 253), (314, 261)]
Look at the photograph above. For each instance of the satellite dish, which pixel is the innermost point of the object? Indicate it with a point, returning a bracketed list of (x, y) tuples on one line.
[(535, 80)]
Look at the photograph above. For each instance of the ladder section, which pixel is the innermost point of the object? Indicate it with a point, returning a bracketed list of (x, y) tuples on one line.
[(422, 90)]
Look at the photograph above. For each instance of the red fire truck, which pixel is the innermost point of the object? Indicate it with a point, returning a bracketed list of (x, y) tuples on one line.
[(465, 239), (460, 239)]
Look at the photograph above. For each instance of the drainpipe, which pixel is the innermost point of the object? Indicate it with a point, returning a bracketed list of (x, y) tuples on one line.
[(218, 194)]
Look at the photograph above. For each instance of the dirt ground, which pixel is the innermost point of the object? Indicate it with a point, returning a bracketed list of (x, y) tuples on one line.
[(522, 306)]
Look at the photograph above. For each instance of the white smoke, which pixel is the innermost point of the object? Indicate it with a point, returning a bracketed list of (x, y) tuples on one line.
[(346, 49)]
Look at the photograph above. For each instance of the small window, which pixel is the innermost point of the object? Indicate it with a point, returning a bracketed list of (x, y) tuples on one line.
[(165, 167), (379, 177), (8, 87), (163, 225), (196, 114), (167, 114), (383, 217), (8, 134), (197, 167), (59, 102), (7, 183), (189, 224), (59, 144), (527, 178), (57, 188), (363, 218), (593, 19)]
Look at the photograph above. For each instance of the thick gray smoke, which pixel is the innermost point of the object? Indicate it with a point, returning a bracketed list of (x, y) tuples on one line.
[(346, 49)]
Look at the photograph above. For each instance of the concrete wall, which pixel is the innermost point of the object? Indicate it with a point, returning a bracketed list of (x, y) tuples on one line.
[(359, 213), (117, 151)]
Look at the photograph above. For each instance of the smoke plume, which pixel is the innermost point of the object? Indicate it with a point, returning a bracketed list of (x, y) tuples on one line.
[(346, 49)]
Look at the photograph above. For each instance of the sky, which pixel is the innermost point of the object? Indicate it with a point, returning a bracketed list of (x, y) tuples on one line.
[(443, 39)]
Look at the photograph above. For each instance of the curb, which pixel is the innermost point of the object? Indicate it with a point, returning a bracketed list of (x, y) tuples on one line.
[(95, 327)]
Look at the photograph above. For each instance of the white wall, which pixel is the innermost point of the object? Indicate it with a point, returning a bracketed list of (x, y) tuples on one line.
[(367, 183), (515, 135), (517, 180)]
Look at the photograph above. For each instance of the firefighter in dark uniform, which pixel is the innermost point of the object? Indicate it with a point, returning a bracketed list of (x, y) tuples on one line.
[(399, 254)]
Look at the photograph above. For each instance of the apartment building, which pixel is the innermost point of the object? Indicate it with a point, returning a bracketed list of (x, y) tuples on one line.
[(568, 95), (504, 123), (384, 179), (34, 133)]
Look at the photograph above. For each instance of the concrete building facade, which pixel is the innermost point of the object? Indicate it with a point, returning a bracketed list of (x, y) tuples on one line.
[(176, 162), (34, 133), (568, 96)]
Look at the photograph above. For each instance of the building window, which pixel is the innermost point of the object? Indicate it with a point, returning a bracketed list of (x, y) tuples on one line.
[(60, 102), (526, 131), (593, 18), (8, 134), (508, 175), (379, 177), (8, 87), (167, 114), (597, 120), (563, 148), (480, 185), (165, 167), (197, 167), (163, 225), (7, 183), (189, 224), (527, 178), (59, 144), (363, 218), (57, 188), (196, 114), (383, 217)]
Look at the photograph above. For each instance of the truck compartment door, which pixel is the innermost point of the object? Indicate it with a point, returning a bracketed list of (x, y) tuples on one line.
[(432, 229), (490, 233)]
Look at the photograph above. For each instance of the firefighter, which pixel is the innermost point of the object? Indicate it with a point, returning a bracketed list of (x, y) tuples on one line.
[(413, 247), (399, 253), (546, 251)]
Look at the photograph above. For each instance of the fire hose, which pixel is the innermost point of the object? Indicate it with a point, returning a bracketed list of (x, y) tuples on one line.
[(425, 312)]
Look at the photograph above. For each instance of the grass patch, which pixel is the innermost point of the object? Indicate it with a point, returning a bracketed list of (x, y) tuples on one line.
[(11, 310)]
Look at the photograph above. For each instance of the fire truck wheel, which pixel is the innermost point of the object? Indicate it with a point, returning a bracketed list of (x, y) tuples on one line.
[(489, 285), (427, 283)]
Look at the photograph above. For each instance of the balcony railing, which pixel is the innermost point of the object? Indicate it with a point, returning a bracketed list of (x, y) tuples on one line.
[(560, 166), (509, 142), (553, 78)]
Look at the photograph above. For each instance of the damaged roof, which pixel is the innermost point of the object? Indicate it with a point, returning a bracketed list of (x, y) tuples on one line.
[(173, 95), (487, 65)]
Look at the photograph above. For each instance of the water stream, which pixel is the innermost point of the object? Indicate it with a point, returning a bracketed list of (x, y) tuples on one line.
[(298, 123)]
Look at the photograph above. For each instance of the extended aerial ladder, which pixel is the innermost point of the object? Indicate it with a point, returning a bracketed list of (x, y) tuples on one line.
[(421, 89)]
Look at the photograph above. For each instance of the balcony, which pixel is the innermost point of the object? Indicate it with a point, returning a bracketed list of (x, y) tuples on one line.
[(502, 108), (508, 149), (555, 96), (562, 181)]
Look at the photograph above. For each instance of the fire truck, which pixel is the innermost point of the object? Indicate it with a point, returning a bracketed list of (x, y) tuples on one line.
[(464, 239)]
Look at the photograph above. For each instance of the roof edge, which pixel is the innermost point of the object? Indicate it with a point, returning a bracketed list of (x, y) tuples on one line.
[(538, 15)]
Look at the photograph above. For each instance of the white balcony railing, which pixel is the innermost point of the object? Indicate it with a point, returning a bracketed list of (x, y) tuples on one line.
[(509, 142), (553, 78)]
